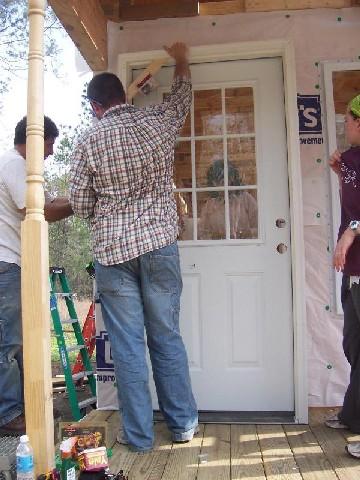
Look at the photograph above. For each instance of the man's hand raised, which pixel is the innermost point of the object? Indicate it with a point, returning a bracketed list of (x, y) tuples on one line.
[(178, 51)]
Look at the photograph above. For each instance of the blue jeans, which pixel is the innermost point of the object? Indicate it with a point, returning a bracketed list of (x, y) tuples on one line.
[(145, 292), (11, 361)]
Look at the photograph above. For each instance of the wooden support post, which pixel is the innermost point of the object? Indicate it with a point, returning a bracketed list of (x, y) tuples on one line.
[(35, 261)]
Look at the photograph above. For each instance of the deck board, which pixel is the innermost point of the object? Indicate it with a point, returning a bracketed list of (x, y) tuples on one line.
[(151, 466), (184, 459), (279, 462), (216, 447), (240, 452), (246, 458), (332, 442), (309, 457)]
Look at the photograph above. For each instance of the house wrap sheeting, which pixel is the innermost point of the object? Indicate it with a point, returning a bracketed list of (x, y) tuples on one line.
[(318, 36)]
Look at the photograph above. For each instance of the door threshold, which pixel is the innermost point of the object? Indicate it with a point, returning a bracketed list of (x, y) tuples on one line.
[(208, 416)]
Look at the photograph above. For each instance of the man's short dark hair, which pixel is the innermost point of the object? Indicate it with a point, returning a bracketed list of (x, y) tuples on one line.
[(106, 89), (50, 131)]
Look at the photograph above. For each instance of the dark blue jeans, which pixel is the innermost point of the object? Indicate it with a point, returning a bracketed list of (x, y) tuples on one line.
[(11, 361), (350, 298), (144, 293)]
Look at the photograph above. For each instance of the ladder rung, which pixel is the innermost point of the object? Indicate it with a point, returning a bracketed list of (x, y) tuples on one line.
[(73, 348), (79, 375), (64, 294), (88, 401), (69, 320)]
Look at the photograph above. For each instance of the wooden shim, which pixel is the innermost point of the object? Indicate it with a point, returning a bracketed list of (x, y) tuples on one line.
[(145, 76), (278, 458), (308, 454), (159, 9), (246, 459), (86, 24)]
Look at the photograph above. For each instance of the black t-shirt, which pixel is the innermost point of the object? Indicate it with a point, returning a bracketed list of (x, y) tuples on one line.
[(350, 204)]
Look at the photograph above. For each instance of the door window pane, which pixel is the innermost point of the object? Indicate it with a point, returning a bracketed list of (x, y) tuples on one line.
[(185, 215), (243, 212), (208, 112), (186, 129), (242, 157), (182, 165), (211, 215), (239, 110), (208, 155)]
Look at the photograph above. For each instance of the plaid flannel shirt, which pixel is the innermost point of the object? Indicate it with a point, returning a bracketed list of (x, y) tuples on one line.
[(121, 177)]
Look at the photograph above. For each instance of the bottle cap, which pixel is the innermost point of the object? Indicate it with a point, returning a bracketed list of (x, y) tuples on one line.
[(66, 446), (24, 439)]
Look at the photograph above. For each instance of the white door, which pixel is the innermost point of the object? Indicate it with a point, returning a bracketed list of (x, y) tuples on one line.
[(232, 191)]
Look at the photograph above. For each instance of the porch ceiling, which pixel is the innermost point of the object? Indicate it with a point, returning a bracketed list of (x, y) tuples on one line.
[(86, 20)]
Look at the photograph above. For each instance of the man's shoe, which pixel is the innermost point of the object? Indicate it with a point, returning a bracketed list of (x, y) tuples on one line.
[(185, 436), (334, 422), (353, 449), (14, 428)]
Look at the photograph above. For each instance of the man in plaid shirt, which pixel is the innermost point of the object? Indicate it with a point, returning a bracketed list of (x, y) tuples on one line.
[(122, 180)]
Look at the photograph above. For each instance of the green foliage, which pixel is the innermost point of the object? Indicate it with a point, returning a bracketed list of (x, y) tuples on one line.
[(69, 239), (14, 37)]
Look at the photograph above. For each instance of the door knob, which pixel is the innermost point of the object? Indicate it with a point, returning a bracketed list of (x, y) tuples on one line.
[(280, 223)]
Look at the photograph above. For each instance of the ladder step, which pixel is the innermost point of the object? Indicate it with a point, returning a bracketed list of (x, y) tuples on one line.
[(69, 321), (79, 375), (73, 348), (88, 401), (63, 294)]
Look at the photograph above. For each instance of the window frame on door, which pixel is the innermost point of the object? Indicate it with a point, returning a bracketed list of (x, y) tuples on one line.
[(328, 69), (283, 49), (226, 189)]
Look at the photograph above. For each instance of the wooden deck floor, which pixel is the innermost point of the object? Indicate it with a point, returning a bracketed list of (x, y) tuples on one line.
[(231, 452)]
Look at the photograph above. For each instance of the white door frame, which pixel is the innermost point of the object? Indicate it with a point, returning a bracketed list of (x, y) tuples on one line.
[(252, 50)]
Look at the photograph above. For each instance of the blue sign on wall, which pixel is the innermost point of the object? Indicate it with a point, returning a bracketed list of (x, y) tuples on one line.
[(104, 359), (309, 109)]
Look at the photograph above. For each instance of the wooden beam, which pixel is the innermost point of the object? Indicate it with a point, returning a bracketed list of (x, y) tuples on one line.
[(221, 8), (111, 9), (85, 22), (267, 6), (145, 10)]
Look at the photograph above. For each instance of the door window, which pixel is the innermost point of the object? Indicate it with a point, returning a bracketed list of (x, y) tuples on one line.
[(215, 170)]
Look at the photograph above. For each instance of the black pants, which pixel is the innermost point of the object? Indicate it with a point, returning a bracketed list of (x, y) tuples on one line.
[(350, 299)]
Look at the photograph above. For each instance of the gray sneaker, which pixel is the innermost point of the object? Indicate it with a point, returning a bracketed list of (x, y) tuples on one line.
[(353, 449), (334, 422)]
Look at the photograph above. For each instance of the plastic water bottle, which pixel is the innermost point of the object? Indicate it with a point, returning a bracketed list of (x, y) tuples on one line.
[(24, 460)]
